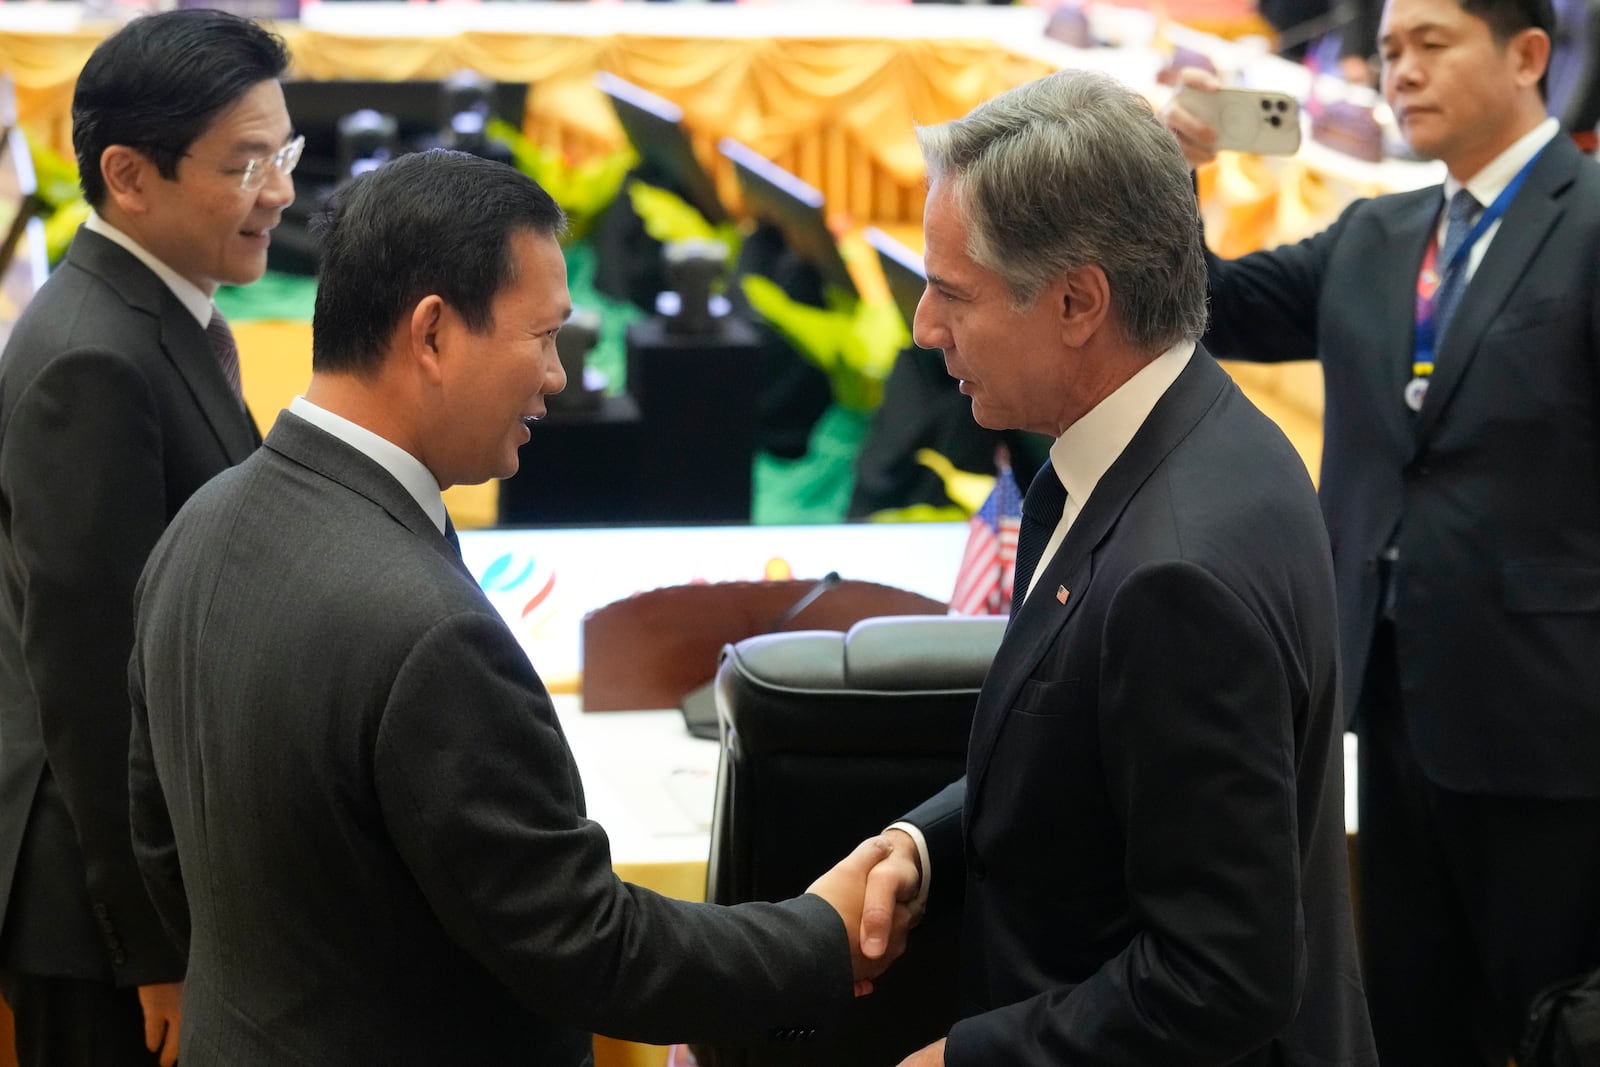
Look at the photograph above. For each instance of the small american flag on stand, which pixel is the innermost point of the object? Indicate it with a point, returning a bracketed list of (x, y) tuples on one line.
[(983, 584)]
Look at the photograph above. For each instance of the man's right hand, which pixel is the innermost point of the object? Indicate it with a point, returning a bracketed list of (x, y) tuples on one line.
[(1197, 139), (163, 1013), (847, 889), (891, 888)]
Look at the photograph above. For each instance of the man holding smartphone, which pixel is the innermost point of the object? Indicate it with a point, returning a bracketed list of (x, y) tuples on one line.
[(1458, 330), (1246, 120)]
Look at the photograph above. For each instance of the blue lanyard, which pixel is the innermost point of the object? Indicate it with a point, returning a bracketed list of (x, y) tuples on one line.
[(1422, 359)]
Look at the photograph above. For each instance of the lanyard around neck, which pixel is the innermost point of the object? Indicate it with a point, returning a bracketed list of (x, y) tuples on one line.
[(1422, 359)]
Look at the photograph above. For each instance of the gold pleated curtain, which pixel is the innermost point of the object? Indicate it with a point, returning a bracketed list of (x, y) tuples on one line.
[(838, 112), (44, 67)]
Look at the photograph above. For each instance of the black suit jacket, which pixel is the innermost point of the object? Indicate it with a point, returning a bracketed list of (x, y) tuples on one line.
[(1494, 487), (1151, 827), (112, 412), (354, 803)]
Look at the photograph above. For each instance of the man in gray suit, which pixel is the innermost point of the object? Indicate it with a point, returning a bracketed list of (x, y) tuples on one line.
[(119, 396), (352, 800)]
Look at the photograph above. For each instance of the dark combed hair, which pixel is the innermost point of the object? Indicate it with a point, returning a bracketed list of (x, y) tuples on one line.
[(427, 224), (158, 83), (1507, 18)]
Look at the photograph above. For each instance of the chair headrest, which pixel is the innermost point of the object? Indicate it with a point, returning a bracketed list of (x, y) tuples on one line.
[(900, 683), (900, 653), (921, 651)]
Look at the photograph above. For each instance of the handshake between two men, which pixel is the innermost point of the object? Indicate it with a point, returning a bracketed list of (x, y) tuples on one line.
[(875, 892), (879, 885)]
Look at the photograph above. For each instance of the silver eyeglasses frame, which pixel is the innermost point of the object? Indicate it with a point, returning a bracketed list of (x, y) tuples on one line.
[(284, 160)]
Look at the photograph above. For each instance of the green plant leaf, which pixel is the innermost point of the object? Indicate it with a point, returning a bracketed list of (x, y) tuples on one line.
[(851, 341), (583, 191), (669, 217)]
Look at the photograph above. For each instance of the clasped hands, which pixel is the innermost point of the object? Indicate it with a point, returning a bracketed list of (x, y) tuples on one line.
[(873, 890)]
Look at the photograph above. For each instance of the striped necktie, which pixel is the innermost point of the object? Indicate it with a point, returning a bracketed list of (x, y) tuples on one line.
[(226, 351)]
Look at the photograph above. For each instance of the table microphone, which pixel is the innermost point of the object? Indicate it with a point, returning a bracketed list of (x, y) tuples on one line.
[(699, 705), (827, 582)]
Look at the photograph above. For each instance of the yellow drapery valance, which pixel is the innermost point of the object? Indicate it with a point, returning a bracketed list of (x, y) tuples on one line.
[(838, 112)]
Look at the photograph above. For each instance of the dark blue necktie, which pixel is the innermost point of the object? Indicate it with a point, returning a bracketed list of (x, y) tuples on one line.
[(1453, 280), (450, 534), (1041, 514)]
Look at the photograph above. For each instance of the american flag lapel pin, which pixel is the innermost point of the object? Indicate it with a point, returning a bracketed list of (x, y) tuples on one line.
[(1061, 594)]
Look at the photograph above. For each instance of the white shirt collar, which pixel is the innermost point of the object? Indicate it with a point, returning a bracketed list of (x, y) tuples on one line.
[(189, 295), (407, 469), (1492, 180), (1082, 455)]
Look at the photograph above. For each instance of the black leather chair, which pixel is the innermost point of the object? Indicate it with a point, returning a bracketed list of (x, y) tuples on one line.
[(827, 738)]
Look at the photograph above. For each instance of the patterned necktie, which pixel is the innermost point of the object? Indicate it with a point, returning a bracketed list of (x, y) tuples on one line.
[(1041, 514), (1454, 278), (450, 534), (226, 350)]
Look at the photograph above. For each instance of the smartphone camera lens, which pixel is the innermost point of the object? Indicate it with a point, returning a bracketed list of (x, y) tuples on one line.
[(1266, 105), (1276, 120), (1283, 105)]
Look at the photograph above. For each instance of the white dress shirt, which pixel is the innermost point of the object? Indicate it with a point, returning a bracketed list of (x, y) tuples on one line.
[(406, 468), (1087, 449), (1492, 180)]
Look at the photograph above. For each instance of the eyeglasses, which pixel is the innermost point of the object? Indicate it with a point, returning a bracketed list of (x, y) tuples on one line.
[(284, 160)]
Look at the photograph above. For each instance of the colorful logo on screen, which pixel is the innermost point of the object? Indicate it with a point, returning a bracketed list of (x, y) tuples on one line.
[(526, 587)]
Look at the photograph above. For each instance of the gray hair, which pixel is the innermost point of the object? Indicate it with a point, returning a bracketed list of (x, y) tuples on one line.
[(1071, 170)]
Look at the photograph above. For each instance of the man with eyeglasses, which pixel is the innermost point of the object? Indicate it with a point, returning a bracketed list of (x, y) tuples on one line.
[(119, 397)]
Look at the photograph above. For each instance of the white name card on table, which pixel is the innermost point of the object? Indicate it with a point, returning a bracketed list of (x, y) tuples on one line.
[(544, 581)]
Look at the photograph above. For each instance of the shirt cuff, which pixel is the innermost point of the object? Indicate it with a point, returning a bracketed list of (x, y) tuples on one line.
[(919, 905)]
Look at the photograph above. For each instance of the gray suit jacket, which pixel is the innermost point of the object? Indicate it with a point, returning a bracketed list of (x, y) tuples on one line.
[(1151, 829), (112, 412), (1494, 487), (355, 805)]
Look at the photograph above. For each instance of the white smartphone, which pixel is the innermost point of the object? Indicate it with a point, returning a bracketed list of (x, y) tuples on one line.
[(1247, 120)]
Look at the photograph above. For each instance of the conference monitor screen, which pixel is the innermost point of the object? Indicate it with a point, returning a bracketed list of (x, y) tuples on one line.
[(655, 126), (777, 197), (316, 106), (902, 270)]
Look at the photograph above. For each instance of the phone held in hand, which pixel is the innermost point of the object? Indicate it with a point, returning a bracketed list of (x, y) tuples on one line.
[(1247, 120)]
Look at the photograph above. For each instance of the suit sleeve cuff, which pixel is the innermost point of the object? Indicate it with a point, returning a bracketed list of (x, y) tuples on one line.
[(920, 905)]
